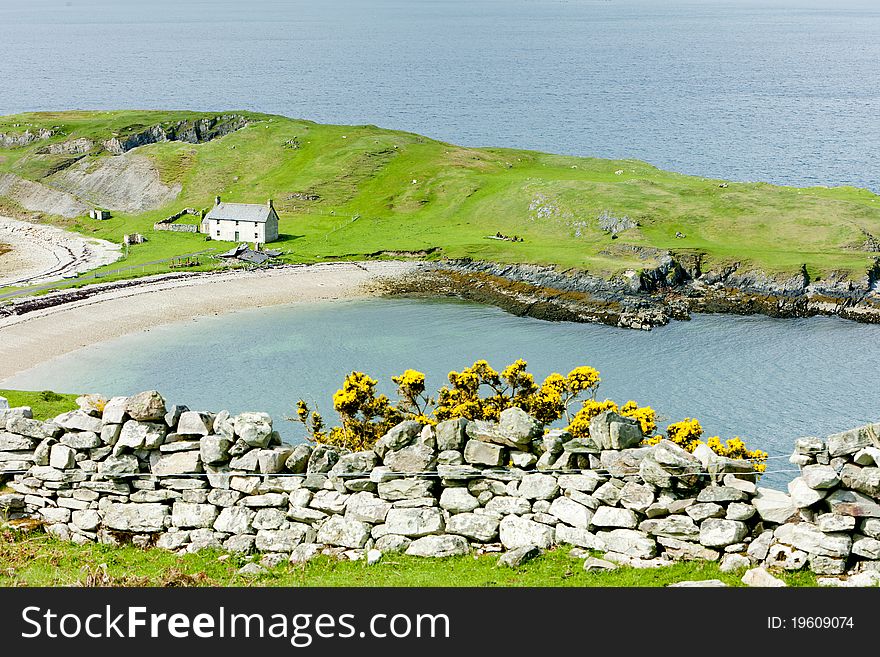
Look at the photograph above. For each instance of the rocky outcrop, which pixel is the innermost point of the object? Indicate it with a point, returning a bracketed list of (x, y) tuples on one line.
[(141, 471), (193, 131), (671, 288), (37, 197), (26, 138)]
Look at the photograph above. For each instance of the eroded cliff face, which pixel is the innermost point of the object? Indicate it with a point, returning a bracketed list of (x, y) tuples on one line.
[(193, 132), (672, 289)]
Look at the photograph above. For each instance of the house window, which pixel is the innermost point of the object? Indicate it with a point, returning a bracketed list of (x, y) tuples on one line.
[(236, 223), (218, 232), (256, 235)]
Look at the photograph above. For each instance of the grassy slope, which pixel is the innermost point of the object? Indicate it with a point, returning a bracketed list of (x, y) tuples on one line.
[(44, 405), (388, 190), (39, 560)]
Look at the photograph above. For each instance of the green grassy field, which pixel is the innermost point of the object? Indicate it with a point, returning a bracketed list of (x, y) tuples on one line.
[(39, 560), (44, 404), (358, 191)]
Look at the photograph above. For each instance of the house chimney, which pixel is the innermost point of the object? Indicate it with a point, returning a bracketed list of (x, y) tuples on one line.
[(269, 204), (216, 200)]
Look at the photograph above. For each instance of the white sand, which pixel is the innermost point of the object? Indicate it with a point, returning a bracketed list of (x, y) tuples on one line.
[(43, 253), (38, 336)]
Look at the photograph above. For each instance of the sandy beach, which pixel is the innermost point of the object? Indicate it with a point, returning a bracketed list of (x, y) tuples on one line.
[(39, 253), (41, 335)]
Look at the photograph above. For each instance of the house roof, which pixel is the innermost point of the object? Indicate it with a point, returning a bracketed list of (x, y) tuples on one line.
[(253, 212)]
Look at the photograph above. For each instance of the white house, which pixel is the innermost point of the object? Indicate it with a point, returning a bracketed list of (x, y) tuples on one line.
[(241, 222)]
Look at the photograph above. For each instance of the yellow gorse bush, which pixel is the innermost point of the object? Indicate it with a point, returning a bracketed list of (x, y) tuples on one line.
[(480, 392)]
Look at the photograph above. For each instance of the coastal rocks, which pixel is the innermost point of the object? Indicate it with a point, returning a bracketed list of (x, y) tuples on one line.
[(148, 406)]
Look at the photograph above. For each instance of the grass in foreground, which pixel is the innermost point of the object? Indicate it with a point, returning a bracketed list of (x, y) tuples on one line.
[(358, 191), (39, 560), (44, 404)]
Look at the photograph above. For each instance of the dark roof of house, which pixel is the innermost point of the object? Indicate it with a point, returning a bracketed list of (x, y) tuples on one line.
[(253, 212)]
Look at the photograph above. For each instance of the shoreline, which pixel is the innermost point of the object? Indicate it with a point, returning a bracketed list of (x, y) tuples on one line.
[(40, 253), (45, 333)]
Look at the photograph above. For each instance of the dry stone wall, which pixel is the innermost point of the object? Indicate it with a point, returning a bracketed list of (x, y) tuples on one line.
[(139, 471)]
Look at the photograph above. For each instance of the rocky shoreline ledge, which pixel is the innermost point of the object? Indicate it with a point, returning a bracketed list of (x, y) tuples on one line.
[(652, 297), (136, 470)]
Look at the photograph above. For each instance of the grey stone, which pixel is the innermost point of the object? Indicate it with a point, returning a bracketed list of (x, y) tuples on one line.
[(138, 518), (298, 460), (721, 494), (831, 522), (802, 495), (680, 550), (78, 421), (305, 552), (405, 489), (411, 459), (401, 435), (702, 510), (516, 532), (458, 500), (366, 507), (610, 430), (480, 528), (186, 515), (774, 506), (215, 449), (523, 460), (701, 584), (717, 532), (272, 460), (519, 426), (519, 556), (448, 545), (851, 503), (414, 523), (355, 463), (482, 453), (863, 480), (283, 540), (609, 516), (505, 505), (865, 546), (451, 434), (266, 500), (193, 423), (449, 457), (824, 565), (820, 476), (871, 527), (248, 461), (867, 456), (596, 565), (253, 428), (850, 442), (538, 486), (176, 463), (786, 557), (458, 472), (329, 501), (81, 440), (674, 526), (759, 547), (571, 512), (629, 542), (344, 532), (10, 442), (760, 577), (322, 459), (140, 435), (235, 520), (636, 496), (62, 457), (148, 406), (807, 537), (734, 562), (392, 543), (740, 511), (585, 482)]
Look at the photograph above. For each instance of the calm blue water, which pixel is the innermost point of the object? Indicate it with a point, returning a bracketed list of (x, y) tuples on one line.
[(784, 90), (767, 380)]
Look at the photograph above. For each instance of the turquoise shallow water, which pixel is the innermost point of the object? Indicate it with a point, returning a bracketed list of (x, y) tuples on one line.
[(767, 380)]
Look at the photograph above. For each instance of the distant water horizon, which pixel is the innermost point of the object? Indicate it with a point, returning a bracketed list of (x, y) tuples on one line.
[(784, 92)]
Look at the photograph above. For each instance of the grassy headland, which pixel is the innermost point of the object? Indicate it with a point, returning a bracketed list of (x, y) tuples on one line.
[(44, 404), (362, 191)]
